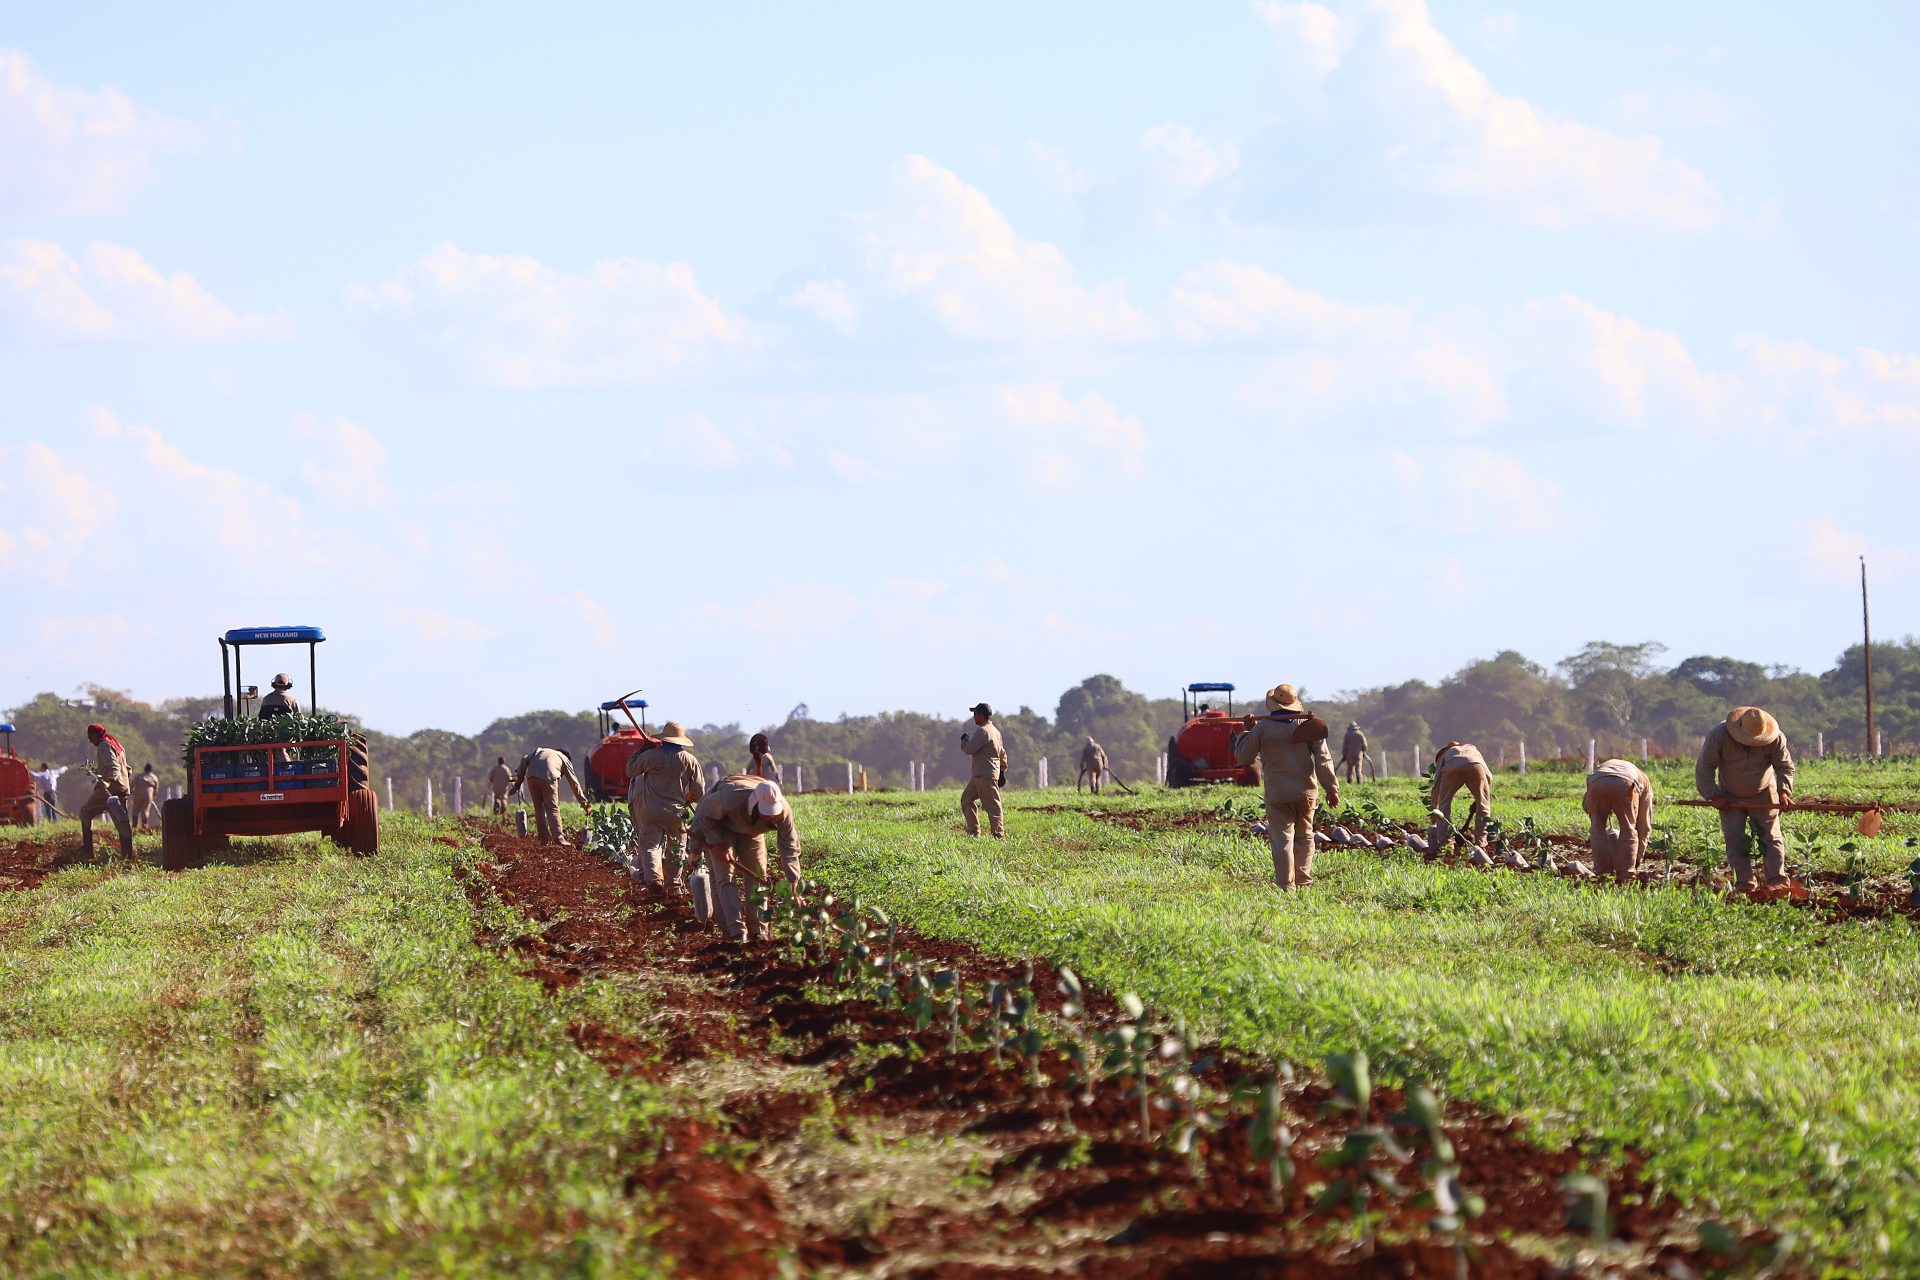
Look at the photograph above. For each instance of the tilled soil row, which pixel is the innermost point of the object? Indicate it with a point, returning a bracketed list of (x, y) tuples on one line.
[(1054, 1184)]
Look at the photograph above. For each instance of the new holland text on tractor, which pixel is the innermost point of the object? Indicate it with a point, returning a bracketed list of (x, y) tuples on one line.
[(606, 771), (1202, 751), (249, 776)]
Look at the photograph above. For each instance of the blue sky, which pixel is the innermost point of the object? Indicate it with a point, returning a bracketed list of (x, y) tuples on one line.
[(876, 356)]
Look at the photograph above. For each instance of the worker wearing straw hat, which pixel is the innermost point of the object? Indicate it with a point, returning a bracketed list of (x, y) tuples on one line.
[(1459, 766), (1291, 746), (989, 772), (663, 785), (730, 825), (1618, 790), (1744, 770)]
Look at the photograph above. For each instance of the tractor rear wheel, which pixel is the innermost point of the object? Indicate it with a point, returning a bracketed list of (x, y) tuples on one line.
[(359, 773), (363, 822), (177, 851), (1179, 770)]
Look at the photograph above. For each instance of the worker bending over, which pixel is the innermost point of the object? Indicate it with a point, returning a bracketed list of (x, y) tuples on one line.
[(109, 791), (663, 786), (1294, 762), (1746, 771), (499, 781), (1353, 750), (1458, 765), (988, 775), (1093, 763), (1620, 790), (541, 771), (730, 825), (146, 801)]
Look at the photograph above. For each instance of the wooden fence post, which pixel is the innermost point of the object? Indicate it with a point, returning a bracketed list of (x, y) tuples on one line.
[(429, 797)]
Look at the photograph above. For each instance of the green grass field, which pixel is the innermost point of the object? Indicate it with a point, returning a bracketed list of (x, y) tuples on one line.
[(1767, 1064)]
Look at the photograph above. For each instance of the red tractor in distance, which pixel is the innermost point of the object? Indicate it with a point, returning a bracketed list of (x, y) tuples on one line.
[(1203, 749), (259, 788), (606, 771), (18, 803)]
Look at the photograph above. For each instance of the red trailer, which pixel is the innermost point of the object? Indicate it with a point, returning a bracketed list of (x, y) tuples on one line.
[(18, 803), (606, 771), (1203, 749), (259, 789)]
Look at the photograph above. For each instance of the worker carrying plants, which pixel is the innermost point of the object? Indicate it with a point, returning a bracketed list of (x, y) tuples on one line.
[(542, 771), (1353, 749), (1744, 771), (499, 779), (146, 802), (279, 702), (1093, 764), (663, 786), (109, 790), (1291, 746), (760, 762), (1460, 765), (988, 774), (730, 826), (1620, 790)]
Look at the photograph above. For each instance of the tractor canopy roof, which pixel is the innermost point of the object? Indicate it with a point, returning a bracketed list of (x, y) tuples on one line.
[(1214, 686), (5, 727), (275, 635), (616, 704)]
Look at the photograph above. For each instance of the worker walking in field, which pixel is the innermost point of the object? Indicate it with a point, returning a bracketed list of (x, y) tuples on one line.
[(1460, 765), (730, 826), (1291, 746), (1620, 790), (109, 791), (542, 771), (760, 761), (1746, 771), (1093, 764), (499, 779), (1353, 750), (279, 702), (663, 786), (988, 773), (146, 802)]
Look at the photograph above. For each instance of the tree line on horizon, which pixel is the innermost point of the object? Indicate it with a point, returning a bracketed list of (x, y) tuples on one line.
[(1614, 694)]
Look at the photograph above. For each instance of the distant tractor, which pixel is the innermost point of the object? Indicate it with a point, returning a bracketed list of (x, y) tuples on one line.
[(254, 787), (606, 771), (1203, 749), (18, 804)]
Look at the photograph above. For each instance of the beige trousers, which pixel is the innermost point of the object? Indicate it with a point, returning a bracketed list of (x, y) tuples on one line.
[(1478, 783), (546, 810), (984, 792), (1290, 832), (740, 868), (658, 846), (108, 802), (1631, 807), (1742, 828)]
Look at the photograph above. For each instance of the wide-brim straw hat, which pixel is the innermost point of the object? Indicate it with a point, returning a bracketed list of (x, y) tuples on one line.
[(676, 733), (1282, 698), (1752, 727)]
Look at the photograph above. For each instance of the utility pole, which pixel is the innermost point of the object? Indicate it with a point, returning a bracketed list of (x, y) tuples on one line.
[(1866, 635)]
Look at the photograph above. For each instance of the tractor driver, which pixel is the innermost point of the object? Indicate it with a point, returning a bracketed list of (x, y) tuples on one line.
[(279, 702)]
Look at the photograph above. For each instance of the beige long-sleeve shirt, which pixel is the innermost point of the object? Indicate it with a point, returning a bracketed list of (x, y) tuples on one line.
[(145, 785), (726, 811), (550, 766), (1461, 753), (984, 744), (499, 778), (1290, 770), (1622, 770), (1093, 758), (664, 779), (1354, 745), (1727, 768), (112, 766)]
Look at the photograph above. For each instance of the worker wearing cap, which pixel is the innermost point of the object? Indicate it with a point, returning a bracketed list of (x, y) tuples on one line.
[(109, 791), (146, 790), (499, 780), (279, 702), (663, 786), (1093, 763), (542, 771), (1291, 747), (989, 752), (1619, 790), (730, 826), (1353, 749), (1458, 766), (1744, 762)]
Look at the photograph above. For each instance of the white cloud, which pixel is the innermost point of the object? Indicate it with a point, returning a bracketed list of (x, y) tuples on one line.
[(1070, 443), (436, 627), (1461, 491), (515, 323), (111, 294), (1311, 38), (1184, 159), (1629, 372), (66, 150), (344, 462), (1833, 554), (1060, 172), (854, 470), (1804, 391), (49, 512), (795, 613), (693, 441), (1677, 110), (596, 622), (941, 242), (828, 300)]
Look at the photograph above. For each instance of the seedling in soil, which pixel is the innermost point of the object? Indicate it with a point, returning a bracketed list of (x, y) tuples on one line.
[(1269, 1135), (1452, 1204), (1130, 1053), (1080, 1046), (1182, 1095), (1853, 874)]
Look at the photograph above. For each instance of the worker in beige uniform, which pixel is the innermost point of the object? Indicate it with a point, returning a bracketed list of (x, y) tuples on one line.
[(1291, 746), (1353, 750), (146, 798), (109, 790), (1745, 761), (1093, 764), (1460, 765), (760, 761), (989, 752), (499, 781), (730, 826), (1619, 790), (279, 702), (663, 786), (541, 772)]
